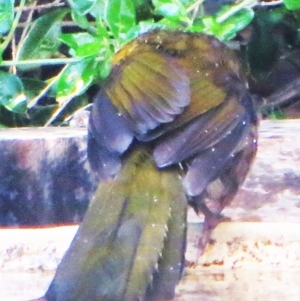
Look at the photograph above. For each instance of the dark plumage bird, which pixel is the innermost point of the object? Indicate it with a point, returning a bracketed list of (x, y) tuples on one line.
[(173, 124)]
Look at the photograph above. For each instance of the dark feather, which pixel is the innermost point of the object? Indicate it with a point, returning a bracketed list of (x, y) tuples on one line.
[(202, 133)]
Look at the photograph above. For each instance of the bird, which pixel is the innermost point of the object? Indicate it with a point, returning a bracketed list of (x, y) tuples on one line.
[(173, 125)]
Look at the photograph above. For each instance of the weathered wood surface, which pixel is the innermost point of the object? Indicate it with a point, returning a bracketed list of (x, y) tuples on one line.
[(256, 256), (45, 177), (248, 261), (271, 192)]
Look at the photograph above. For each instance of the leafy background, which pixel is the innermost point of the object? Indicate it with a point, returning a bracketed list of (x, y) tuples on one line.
[(55, 55)]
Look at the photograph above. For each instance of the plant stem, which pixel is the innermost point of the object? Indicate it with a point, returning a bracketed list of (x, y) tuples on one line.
[(42, 6), (13, 27), (59, 61), (194, 6), (236, 8)]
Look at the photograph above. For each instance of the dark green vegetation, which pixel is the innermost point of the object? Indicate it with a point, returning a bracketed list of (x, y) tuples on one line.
[(53, 54)]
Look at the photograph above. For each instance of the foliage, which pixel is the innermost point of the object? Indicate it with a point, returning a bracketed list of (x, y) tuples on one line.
[(52, 54)]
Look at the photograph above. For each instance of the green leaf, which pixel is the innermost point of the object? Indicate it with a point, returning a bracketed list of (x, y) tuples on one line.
[(208, 25), (6, 15), (75, 79), (80, 20), (173, 10), (276, 114), (292, 4), (83, 44), (231, 26), (98, 9), (141, 27), (120, 16), (32, 87), (103, 69), (227, 29), (12, 93), (42, 40), (81, 7), (40, 114)]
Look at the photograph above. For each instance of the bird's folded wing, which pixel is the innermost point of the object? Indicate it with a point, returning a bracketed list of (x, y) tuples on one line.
[(148, 89), (202, 133)]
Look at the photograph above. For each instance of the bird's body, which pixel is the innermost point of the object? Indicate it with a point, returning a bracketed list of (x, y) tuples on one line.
[(184, 95), (173, 123)]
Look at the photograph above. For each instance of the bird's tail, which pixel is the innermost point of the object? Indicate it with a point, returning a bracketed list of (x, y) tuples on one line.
[(131, 242)]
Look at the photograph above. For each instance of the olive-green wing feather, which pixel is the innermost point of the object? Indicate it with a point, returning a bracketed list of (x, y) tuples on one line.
[(148, 89)]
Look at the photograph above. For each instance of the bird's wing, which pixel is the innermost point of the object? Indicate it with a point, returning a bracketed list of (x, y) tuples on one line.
[(200, 134), (156, 88), (148, 89)]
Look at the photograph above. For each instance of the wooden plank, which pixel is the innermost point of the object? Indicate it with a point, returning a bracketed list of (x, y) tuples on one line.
[(253, 257), (271, 192), (46, 178)]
